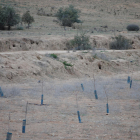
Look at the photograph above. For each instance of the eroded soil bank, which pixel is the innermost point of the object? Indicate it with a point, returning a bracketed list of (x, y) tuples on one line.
[(16, 66), (57, 43)]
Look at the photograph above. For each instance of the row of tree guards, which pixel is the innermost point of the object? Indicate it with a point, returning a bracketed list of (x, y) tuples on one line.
[(9, 135)]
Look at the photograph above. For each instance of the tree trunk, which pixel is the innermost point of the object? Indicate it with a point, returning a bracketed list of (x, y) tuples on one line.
[(2, 28), (28, 26), (9, 27)]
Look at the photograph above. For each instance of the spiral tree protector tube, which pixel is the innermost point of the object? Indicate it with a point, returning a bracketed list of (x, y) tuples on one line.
[(82, 87), (9, 136), (128, 79), (95, 93), (23, 126), (107, 108), (78, 113), (1, 93), (42, 99)]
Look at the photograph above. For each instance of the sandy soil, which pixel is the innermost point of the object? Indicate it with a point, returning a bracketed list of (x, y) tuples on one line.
[(28, 70), (57, 118), (21, 81), (25, 65)]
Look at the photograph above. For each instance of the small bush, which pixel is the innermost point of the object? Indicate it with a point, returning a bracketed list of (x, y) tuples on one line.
[(67, 64), (80, 42), (67, 16), (120, 43), (133, 27), (54, 56)]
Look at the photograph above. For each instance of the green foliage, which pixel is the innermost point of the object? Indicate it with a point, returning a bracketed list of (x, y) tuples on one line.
[(54, 56), (2, 18), (133, 27), (67, 16), (27, 18), (67, 64), (8, 17), (120, 43), (80, 42)]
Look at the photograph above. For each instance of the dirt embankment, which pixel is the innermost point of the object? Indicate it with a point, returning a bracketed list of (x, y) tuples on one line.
[(26, 44), (33, 65)]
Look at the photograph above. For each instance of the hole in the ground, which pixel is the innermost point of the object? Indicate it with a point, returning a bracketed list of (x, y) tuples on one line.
[(14, 45), (32, 42), (99, 66)]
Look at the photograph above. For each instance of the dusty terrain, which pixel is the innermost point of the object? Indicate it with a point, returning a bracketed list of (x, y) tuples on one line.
[(28, 69), (98, 16), (16, 66), (57, 118), (22, 74)]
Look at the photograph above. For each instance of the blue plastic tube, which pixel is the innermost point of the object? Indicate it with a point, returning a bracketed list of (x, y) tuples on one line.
[(95, 93), (1, 93), (82, 87), (23, 126), (128, 79), (42, 99), (78, 113), (9, 136), (107, 108)]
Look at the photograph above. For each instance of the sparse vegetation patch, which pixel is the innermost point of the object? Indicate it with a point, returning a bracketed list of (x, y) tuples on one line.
[(120, 43), (80, 42), (67, 64), (54, 56), (67, 16)]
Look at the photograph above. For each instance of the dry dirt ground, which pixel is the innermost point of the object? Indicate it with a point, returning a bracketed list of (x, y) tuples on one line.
[(57, 118), (22, 74), (27, 65)]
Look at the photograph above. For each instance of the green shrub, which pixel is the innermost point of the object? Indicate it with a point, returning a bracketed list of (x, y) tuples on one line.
[(120, 43), (67, 16), (27, 18), (133, 27), (80, 42), (67, 64), (54, 56)]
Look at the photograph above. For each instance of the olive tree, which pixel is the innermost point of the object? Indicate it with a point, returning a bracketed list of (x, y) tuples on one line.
[(27, 18), (8, 17)]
